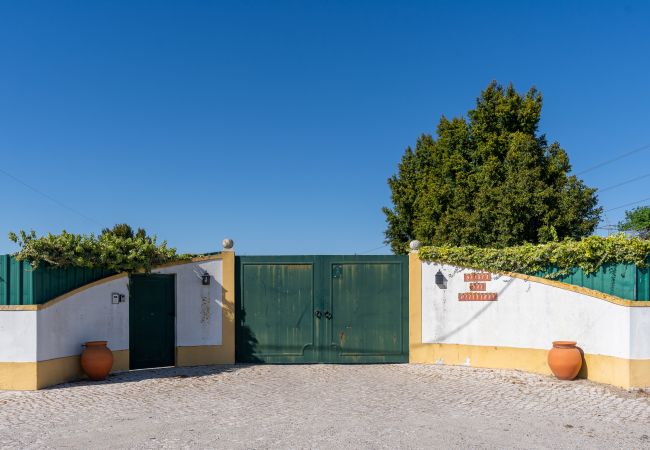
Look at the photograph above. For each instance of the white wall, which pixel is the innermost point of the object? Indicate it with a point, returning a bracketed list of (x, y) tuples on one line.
[(60, 330), (90, 315), (86, 316), (17, 336), (198, 307), (639, 333), (529, 315)]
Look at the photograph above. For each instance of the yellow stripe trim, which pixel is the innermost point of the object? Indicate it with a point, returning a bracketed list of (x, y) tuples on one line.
[(581, 290), (228, 307), (190, 261), (62, 297), (415, 301)]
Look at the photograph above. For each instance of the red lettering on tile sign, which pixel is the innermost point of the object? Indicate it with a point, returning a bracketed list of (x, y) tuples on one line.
[(477, 286), (477, 297), (478, 276)]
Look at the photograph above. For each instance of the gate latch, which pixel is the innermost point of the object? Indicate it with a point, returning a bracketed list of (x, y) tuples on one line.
[(337, 271)]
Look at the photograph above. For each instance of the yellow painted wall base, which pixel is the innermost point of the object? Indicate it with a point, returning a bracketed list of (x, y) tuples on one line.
[(29, 376), (203, 355), (18, 376), (639, 373), (619, 372)]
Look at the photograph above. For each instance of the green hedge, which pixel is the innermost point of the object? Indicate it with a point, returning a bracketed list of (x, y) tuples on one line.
[(554, 260), (107, 251)]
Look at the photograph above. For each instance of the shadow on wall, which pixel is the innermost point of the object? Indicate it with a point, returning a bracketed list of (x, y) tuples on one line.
[(245, 341), (584, 370)]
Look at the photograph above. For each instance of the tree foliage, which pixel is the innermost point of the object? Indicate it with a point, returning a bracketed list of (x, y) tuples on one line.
[(118, 249), (489, 180), (637, 221), (124, 230), (589, 254)]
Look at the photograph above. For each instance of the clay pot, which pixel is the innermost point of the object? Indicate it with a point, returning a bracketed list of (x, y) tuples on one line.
[(565, 360), (97, 360)]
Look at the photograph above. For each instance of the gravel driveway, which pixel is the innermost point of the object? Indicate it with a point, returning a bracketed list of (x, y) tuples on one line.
[(325, 406)]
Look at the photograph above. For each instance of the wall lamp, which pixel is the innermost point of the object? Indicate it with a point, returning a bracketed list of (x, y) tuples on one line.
[(440, 280)]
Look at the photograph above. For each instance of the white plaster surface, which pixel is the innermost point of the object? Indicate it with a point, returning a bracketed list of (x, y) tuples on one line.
[(639, 333), (17, 336), (86, 316), (198, 307), (529, 315), (61, 329)]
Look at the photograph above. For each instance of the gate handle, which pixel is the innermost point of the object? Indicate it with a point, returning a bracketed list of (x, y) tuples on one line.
[(328, 315), (317, 314)]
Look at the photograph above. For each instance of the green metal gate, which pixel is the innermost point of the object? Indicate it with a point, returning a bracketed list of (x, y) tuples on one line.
[(151, 321), (332, 309)]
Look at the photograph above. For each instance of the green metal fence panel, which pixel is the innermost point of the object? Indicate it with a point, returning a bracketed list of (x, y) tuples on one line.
[(15, 288), (643, 284), (622, 280), (22, 285), (5, 281)]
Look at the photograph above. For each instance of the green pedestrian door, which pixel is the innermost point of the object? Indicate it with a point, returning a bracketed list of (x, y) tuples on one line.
[(332, 309), (151, 321)]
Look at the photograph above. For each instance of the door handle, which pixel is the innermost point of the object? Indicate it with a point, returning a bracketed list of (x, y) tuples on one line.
[(318, 314), (328, 315)]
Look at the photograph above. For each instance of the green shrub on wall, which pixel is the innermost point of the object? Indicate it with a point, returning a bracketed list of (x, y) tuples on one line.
[(588, 254), (111, 250)]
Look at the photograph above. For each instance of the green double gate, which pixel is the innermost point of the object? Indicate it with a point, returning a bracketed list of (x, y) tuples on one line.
[(322, 309)]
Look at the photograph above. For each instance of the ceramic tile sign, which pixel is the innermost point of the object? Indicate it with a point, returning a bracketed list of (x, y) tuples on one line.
[(477, 287)]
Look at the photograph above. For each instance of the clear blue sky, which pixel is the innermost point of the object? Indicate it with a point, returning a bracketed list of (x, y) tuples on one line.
[(278, 123)]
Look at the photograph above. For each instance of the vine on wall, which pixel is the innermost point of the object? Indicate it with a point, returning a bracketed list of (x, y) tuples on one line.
[(588, 254), (109, 250)]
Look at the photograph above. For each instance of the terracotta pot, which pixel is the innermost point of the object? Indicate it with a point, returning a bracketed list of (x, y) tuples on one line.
[(97, 360), (565, 360)]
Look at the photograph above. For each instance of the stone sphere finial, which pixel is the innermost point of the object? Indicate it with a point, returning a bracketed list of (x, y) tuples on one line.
[(415, 245), (227, 244)]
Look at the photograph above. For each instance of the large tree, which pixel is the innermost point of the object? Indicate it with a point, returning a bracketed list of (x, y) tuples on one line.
[(637, 221), (489, 180)]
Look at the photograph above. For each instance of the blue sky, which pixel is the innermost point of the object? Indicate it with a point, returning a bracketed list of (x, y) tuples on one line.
[(278, 123)]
